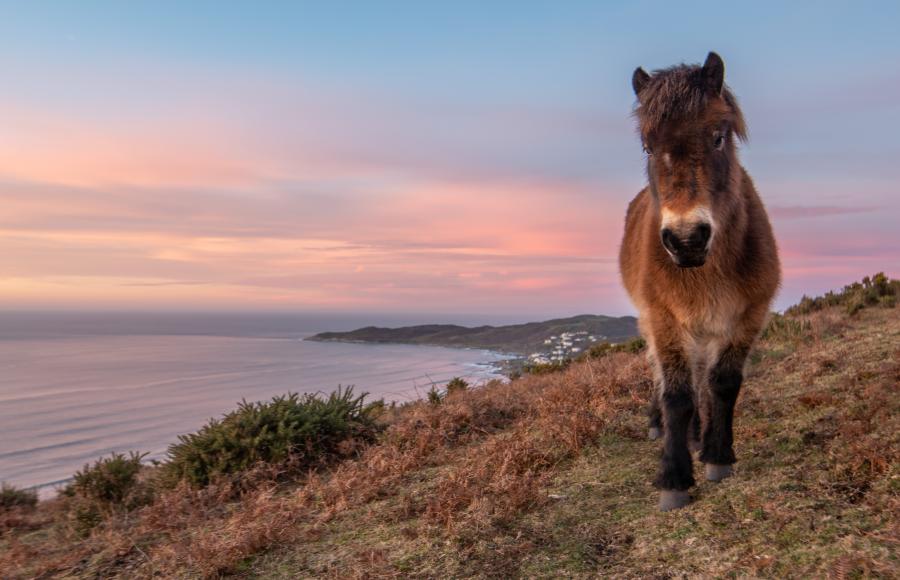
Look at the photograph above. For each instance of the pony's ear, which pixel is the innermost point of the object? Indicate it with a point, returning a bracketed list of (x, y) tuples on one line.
[(639, 80), (714, 73)]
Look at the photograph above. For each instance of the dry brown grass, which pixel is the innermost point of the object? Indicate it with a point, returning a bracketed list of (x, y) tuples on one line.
[(568, 410)]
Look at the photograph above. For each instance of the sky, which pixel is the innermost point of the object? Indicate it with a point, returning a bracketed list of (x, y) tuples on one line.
[(463, 157)]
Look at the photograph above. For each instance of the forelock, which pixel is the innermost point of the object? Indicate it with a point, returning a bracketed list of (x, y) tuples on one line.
[(678, 93)]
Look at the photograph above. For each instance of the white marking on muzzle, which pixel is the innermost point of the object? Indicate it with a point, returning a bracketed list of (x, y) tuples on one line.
[(688, 220)]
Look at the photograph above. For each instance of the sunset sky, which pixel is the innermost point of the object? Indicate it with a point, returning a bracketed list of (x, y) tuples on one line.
[(446, 157)]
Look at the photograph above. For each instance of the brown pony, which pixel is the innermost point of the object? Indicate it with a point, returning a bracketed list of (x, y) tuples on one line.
[(700, 263)]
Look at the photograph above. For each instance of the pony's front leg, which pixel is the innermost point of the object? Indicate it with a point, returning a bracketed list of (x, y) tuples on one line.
[(676, 473), (725, 377), (725, 381)]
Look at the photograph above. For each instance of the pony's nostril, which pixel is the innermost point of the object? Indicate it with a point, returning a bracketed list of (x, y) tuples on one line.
[(701, 235), (669, 240)]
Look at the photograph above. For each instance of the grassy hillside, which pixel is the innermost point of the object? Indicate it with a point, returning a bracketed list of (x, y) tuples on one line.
[(515, 338), (548, 475)]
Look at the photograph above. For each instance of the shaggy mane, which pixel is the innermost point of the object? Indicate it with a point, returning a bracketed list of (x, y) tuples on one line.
[(678, 92)]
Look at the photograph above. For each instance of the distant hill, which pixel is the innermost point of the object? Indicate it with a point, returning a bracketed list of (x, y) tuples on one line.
[(516, 338)]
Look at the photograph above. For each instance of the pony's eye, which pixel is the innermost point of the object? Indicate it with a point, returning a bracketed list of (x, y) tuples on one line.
[(647, 149), (720, 142)]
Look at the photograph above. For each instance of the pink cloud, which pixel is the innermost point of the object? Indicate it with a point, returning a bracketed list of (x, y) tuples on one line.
[(813, 211), (433, 243)]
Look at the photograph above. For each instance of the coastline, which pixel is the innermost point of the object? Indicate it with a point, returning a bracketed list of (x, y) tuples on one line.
[(511, 363), (69, 401), (541, 342)]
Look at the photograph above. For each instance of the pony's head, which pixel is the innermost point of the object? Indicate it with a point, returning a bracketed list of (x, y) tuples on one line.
[(689, 122)]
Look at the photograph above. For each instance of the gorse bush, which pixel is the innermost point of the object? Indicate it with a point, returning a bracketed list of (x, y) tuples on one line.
[(14, 497), (110, 485), (435, 396), (871, 291), (307, 429), (109, 480), (602, 349), (546, 368), (456, 384)]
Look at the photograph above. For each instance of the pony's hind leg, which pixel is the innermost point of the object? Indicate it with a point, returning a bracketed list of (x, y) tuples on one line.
[(694, 443), (654, 413)]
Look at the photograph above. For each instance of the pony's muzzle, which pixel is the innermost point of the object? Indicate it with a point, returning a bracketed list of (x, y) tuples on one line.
[(687, 247)]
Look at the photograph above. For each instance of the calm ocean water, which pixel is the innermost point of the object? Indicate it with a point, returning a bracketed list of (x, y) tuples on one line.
[(75, 387)]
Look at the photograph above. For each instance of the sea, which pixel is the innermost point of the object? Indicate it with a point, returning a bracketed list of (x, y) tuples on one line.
[(77, 386)]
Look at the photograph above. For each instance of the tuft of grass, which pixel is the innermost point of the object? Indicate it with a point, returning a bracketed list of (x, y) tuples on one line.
[(14, 497), (307, 429), (786, 329)]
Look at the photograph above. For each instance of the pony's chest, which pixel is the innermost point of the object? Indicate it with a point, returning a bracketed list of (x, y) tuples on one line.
[(710, 315)]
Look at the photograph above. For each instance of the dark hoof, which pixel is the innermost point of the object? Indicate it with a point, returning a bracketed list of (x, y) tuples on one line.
[(716, 472), (673, 500), (654, 433)]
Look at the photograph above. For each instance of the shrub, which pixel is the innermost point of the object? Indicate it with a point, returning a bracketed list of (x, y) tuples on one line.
[(378, 408), (84, 515), (13, 497), (634, 346), (110, 480), (870, 291), (855, 304), (546, 368), (456, 384), (602, 349), (435, 396), (307, 429), (111, 484)]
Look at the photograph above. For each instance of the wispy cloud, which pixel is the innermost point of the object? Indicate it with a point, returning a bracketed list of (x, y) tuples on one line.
[(433, 242), (814, 211)]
